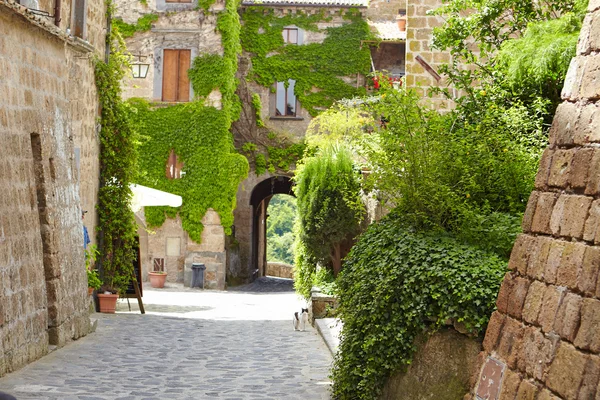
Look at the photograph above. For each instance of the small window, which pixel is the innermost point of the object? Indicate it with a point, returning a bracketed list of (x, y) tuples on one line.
[(176, 83), (290, 35), (286, 99), (174, 166)]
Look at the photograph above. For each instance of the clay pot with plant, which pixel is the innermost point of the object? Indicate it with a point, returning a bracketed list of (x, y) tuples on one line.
[(157, 279)]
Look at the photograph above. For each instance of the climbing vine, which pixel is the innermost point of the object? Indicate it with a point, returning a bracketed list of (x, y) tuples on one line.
[(143, 24), (118, 156), (199, 136), (317, 68)]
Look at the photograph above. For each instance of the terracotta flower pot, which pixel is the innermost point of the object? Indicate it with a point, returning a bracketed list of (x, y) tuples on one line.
[(90, 291), (108, 302), (157, 280), (401, 20)]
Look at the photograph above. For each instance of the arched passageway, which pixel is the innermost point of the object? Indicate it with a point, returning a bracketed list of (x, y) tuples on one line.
[(259, 201)]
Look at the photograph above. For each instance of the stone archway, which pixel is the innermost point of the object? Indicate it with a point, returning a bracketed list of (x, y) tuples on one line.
[(246, 250)]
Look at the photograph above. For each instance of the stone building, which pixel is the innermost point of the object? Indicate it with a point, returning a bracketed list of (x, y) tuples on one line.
[(177, 32), (49, 171), (543, 341)]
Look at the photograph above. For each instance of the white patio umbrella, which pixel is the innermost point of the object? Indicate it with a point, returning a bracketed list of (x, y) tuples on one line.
[(145, 196)]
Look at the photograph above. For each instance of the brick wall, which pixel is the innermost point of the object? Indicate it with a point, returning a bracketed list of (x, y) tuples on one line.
[(43, 285), (419, 31), (545, 334)]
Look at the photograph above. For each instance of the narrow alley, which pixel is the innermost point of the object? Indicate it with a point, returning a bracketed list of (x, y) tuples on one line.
[(190, 344)]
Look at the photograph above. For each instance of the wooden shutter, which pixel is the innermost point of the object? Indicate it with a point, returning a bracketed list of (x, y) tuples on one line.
[(176, 84), (170, 72), (184, 82)]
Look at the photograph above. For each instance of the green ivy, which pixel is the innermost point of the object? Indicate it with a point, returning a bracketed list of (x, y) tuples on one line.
[(396, 284), (118, 166), (256, 103), (205, 4), (319, 66), (143, 24), (200, 137)]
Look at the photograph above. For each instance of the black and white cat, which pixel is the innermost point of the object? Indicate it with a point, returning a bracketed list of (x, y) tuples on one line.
[(300, 319)]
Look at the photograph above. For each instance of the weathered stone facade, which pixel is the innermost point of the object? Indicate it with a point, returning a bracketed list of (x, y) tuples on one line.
[(543, 341), (48, 174)]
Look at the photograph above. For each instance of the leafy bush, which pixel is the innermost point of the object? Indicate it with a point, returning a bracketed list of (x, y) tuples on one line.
[(395, 284), (280, 238), (330, 209)]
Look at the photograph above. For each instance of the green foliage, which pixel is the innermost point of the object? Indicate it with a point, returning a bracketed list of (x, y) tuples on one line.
[(207, 74), (313, 66), (205, 4), (118, 166), (93, 279), (143, 24), (280, 237), (324, 280), (260, 164), (397, 283), (91, 255), (284, 157), (256, 103), (212, 169), (541, 57), (200, 137), (330, 211)]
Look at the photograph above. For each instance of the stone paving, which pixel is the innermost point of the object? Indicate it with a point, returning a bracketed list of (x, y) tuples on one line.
[(190, 345)]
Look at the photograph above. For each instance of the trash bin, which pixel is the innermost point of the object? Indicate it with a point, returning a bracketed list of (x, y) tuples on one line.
[(198, 275)]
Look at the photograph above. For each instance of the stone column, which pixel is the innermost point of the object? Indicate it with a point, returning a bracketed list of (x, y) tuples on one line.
[(544, 339)]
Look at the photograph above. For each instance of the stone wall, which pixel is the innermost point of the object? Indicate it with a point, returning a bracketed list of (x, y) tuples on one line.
[(44, 179), (544, 340), (441, 368), (419, 32), (280, 270)]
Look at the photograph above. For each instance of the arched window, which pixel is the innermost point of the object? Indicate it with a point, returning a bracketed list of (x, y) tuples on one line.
[(174, 166)]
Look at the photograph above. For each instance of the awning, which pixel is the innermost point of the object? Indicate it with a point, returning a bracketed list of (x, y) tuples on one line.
[(144, 196)]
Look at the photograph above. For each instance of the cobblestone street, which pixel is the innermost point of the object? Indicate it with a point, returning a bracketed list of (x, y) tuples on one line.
[(190, 345)]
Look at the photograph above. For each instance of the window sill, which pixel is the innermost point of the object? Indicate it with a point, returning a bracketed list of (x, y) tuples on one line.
[(287, 118)]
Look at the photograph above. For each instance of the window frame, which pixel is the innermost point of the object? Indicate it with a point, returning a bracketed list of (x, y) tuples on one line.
[(286, 35), (286, 97)]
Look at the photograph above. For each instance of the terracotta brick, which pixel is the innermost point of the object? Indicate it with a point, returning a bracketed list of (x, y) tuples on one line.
[(550, 304), (588, 276), (561, 131), (543, 213), (566, 372), (493, 330), (571, 261), (511, 341), (588, 337), (537, 353), (593, 186), (541, 178), (533, 302), (578, 171), (530, 211), (587, 129), (591, 376), (527, 391), (504, 294), (510, 385), (553, 260), (559, 168), (591, 232), (589, 89), (517, 297), (520, 253), (567, 317), (545, 394), (569, 215), (539, 257)]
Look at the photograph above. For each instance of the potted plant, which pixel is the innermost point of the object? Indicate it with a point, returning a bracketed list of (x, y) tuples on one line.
[(401, 21), (94, 282), (157, 279)]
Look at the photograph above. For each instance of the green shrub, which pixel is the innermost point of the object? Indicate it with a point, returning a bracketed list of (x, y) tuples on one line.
[(395, 284)]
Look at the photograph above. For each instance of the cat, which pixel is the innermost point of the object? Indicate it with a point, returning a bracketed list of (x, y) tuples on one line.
[(300, 320)]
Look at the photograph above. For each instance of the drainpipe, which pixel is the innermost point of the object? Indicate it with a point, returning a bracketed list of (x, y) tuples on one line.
[(57, 12)]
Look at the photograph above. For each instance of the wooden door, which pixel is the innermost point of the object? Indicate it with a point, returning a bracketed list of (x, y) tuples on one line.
[(176, 84)]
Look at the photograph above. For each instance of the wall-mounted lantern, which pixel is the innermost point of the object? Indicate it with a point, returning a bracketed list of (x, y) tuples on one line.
[(139, 68)]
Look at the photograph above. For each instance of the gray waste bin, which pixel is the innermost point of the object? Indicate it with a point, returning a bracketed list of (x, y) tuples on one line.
[(198, 275)]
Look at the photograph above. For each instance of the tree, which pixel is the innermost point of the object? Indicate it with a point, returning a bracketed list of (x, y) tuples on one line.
[(280, 238), (330, 209)]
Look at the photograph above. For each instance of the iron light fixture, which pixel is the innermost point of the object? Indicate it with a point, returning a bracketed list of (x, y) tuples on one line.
[(139, 68)]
